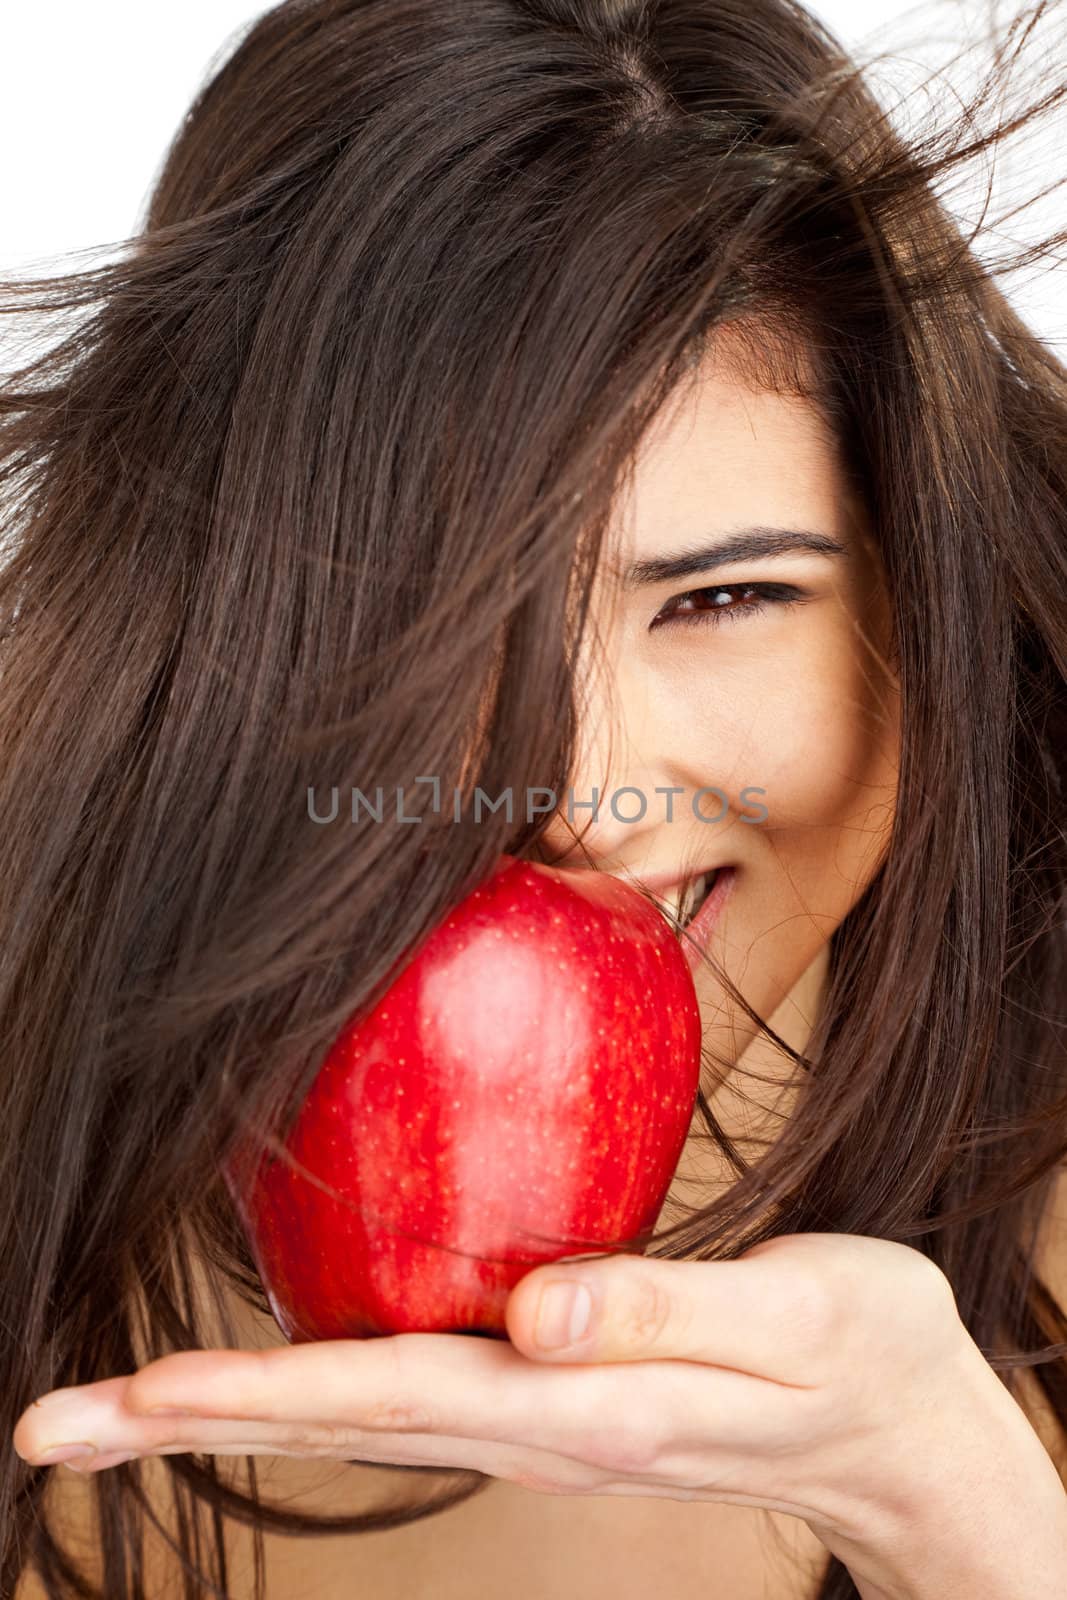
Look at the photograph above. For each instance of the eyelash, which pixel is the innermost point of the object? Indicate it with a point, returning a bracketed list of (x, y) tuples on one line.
[(781, 594)]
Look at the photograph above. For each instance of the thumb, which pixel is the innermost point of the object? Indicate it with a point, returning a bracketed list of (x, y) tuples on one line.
[(625, 1308)]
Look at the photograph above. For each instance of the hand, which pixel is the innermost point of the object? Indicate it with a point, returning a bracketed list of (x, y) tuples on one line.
[(827, 1376)]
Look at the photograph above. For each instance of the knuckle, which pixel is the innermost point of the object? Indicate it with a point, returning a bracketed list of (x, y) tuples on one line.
[(332, 1439), (621, 1431), (628, 1447), (926, 1294), (929, 1278), (399, 1410), (645, 1312), (396, 1414), (835, 1292), (814, 1298)]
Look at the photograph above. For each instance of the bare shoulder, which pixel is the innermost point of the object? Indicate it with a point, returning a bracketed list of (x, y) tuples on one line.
[(1050, 1262)]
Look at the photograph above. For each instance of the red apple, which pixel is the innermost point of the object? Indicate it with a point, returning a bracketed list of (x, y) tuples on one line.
[(521, 1092)]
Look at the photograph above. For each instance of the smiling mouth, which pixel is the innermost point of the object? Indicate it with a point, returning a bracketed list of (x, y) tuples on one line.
[(680, 909)]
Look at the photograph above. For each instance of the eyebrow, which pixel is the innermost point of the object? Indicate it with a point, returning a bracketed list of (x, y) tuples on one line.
[(744, 545)]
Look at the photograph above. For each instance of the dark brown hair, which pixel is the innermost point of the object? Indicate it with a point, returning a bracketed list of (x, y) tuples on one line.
[(308, 489)]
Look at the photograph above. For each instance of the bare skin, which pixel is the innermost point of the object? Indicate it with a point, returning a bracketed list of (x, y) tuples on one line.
[(511, 1539), (796, 700), (685, 684)]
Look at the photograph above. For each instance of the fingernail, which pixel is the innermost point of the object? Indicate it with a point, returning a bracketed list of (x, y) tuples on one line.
[(563, 1314), (64, 1452)]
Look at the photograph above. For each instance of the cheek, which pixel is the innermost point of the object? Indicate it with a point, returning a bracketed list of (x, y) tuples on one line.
[(828, 744), (814, 728)]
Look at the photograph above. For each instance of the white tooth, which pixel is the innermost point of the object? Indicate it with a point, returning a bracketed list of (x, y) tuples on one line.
[(681, 901), (696, 893), (671, 905)]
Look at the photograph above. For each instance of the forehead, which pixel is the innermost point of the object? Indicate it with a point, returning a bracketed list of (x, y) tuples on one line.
[(729, 451)]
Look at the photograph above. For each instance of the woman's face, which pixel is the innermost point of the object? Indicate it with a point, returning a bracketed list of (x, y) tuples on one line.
[(699, 686)]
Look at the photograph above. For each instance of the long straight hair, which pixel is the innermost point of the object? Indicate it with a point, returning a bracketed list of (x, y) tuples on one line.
[(308, 489)]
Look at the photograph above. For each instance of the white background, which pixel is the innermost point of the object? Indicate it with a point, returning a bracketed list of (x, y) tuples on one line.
[(90, 96)]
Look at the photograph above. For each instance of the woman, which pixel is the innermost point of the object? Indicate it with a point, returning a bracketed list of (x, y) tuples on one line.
[(543, 393)]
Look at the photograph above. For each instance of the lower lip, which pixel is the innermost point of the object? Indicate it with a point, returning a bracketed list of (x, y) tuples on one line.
[(698, 931)]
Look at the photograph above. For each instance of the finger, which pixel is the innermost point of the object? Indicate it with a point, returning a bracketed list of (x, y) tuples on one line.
[(97, 1415), (442, 1385), (362, 1399), (118, 1434), (339, 1391), (594, 1425), (136, 1438), (401, 1383), (761, 1314), (69, 1416)]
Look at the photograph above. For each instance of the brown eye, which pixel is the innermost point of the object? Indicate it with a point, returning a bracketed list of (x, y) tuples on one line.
[(725, 602)]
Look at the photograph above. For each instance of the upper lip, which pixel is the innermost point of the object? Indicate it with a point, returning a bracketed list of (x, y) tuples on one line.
[(655, 882), (664, 882), (666, 890)]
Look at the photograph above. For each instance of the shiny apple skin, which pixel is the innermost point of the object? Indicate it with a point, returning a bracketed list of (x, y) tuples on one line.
[(521, 1092)]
